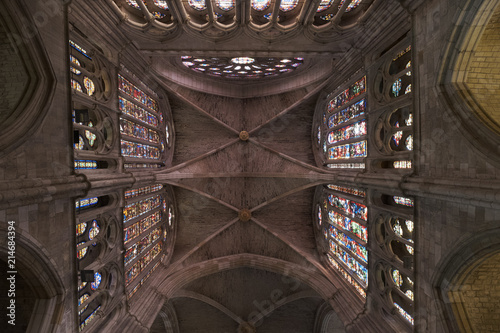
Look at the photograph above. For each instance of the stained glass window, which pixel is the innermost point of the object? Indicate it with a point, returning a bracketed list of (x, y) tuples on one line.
[(225, 4), (141, 207), (287, 5), (133, 149), (348, 190), (79, 49), (94, 230), (347, 151), (242, 67), (347, 95), (161, 4), (137, 112), (324, 5), (137, 94), (260, 4), (80, 254), (133, 3), (87, 202), (353, 4), (76, 85), (403, 201), (97, 281), (197, 4), (85, 164), (137, 131), (355, 130), (89, 318), (346, 237), (142, 191), (80, 228), (349, 113), (409, 142)]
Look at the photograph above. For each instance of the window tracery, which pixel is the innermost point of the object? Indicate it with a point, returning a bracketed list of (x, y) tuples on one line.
[(341, 219), (242, 67), (95, 237), (147, 231), (342, 128), (394, 134), (143, 126)]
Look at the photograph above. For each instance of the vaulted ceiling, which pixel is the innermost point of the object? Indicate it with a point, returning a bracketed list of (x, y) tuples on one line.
[(243, 169)]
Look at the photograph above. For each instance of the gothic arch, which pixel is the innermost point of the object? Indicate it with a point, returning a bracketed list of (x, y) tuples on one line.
[(479, 128), (451, 281), (30, 76), (34, 266)]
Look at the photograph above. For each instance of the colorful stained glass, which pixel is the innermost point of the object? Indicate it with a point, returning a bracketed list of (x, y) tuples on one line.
[(396, 87), (408, 89), (324, 5), (409, 294), (90, 137), (260, 4), (85, 164), (89, 85), (161, 4), (137, 112), (409, 249), (141, 207), (353, 4), (408, 65), (137, 131), (347, 224), (346, 276), (409, 142), (349, 190), (402, 53), (138, 150), (320, 216), (398, 229), (396, 137), (80, 228), (350, 262), (319, 135), (352, 131), (397, 277), (74, 70), (198, 4), (351, 150), (409, 225), (404, 313), (403, 201), (97, 281), (409, 120), (356, 248), (158, 15), (402, 164), (351, 112), (349, 207), (82, 285), (137, 94), (81, 143), (94, 230), (76, 85), (79, 49), (80, 254), (89, 318), (87, 202), (134, 4), (142, 190), (81, 300), (287, 5), (347, 95), (327, 17), (225, 4), (170, 216)]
